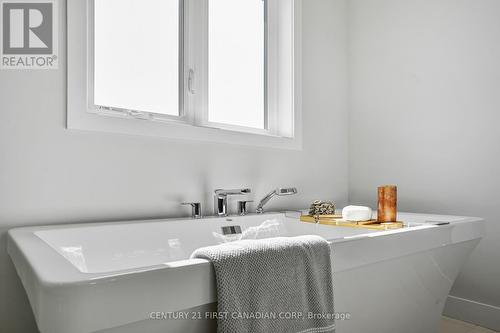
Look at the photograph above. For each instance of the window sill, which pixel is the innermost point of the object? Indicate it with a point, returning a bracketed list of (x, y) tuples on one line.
[(81, 120)]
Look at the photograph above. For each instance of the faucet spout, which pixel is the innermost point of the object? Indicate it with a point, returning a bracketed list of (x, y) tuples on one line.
[(222, 193), (220, 199)]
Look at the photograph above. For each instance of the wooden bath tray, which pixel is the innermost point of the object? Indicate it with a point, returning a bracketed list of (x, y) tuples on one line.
[(336, 220)]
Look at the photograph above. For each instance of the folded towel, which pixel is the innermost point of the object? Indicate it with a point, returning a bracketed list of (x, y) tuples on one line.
[(273, 285)]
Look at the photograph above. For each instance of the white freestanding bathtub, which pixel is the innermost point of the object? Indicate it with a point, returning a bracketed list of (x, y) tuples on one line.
[(131, 276)]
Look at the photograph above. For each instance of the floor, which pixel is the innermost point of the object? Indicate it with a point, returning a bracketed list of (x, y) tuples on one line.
[(449, 325)]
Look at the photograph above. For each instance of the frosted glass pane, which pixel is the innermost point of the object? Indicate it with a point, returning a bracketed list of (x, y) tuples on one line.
[(137, 55), (236, 62)]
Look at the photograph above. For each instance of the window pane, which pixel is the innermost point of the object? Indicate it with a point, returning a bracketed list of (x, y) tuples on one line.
[(236, 62), (137, 55)]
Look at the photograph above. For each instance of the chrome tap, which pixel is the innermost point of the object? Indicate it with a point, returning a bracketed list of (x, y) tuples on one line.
[(220, 199), (243, 207), (196, 212), (279, 192)]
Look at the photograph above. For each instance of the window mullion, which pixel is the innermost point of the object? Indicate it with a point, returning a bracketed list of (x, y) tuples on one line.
[(196, 60)]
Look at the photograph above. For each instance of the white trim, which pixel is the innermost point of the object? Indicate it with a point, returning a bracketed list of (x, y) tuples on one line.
[(282, 72), (297, 71), (128, 122), (481, 314)]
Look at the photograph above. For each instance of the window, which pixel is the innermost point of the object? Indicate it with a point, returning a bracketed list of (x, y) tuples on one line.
[(213, 70), (236, 91), (120, 80)]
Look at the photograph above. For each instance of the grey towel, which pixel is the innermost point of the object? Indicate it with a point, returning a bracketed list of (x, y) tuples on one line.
[(273, 285)]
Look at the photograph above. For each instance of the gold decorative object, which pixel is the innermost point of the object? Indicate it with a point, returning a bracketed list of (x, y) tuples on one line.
[(321, 208)]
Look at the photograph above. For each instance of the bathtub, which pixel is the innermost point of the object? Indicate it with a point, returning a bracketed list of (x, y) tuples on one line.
[(126, 277)]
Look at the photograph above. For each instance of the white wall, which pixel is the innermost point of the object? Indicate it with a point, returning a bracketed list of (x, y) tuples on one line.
[(424, 99), (51, 175), (425, 114)]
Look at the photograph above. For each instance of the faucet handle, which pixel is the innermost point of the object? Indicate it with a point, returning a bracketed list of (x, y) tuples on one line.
[(195, 209), (243, 191), (242, 207)]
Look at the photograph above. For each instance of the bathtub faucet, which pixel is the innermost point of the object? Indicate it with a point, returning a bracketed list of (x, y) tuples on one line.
[(220, 199), (279, 192)]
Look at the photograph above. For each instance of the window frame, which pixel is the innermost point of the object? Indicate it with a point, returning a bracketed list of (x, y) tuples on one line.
[(192, 122), (92, 107)]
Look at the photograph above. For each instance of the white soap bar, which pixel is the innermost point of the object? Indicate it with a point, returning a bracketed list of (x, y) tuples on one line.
[(357, 213)]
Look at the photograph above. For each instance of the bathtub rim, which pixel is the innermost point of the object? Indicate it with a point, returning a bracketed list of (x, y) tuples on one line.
[(24, 245)]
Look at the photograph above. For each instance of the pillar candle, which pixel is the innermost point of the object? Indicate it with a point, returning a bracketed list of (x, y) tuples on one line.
[(387, 203)]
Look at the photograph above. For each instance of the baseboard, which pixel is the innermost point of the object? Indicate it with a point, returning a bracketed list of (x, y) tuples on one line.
[(484, 315)]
